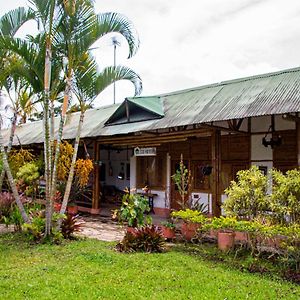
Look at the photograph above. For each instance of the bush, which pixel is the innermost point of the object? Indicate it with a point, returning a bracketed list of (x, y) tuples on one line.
[(248, 195), (28, 175), (145, 239), (189, 216), (132, 209), (285, 198)]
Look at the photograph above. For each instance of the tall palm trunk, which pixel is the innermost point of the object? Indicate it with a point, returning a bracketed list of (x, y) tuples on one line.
[(11, 138), (72, 168), (12, 182), (47, 79), (59, 137)]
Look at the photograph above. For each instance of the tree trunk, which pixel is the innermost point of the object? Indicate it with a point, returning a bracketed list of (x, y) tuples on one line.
[(59, 138), (11, 138), (12, 182), (72, 169), (47, 80)]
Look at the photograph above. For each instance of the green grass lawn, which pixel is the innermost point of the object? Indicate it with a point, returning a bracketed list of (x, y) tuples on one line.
[(90, 269)]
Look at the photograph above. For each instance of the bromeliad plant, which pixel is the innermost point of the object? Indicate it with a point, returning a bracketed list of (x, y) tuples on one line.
[(145, 239), (132, 210)]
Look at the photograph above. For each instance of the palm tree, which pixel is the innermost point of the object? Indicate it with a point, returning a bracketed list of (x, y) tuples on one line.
[(78, 30), (9, 25), (89, 84), (69, 28)]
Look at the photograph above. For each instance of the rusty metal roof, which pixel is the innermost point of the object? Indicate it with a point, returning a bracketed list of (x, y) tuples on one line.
[(266, 94)]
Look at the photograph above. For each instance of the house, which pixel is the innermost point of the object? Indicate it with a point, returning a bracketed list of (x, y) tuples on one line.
[(218, 128)]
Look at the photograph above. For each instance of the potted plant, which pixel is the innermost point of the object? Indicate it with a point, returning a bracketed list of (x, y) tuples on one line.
[(226, 234), (132, 210), (168, 230), (192, 221)]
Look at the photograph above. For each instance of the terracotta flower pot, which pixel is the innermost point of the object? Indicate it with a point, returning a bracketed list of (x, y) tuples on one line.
[(241, 237), (213, 233), (168, 233), (225, 240), (189, 230), (72, 209), (57, 207)]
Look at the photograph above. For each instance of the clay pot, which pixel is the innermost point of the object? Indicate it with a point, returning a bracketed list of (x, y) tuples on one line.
[(213, 233), (189, 230), (225, 240), (57, 207), (168, 233), (241, 237)]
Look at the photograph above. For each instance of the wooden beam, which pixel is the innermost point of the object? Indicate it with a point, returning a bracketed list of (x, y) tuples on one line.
[(96, 183), (216, 169)]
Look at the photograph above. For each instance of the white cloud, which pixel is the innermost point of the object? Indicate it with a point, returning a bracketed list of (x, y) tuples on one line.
[(189, 43)]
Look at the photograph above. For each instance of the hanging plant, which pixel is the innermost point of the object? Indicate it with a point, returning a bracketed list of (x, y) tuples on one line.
[(83, 169)]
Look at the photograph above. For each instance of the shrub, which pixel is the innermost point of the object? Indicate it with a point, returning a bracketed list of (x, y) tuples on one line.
[(132, 209), (145, 239), (28, 175), (248, 195), (285, 198), (189, 216), (70, 225)]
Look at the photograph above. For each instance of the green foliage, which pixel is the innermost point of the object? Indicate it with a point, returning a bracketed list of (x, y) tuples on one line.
[(168, 224), (189, 216), (248, 195), (182, 179), (224, 223), (18, 158), (144, 239), (35, 231), (285, 198), (28, 176), (132, 210)]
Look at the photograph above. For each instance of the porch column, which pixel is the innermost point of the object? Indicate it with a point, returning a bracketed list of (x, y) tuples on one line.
[(216, 168), (96, 184), (298, 140)]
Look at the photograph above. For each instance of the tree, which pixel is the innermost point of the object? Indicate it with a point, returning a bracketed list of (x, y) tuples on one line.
[(68, 29)]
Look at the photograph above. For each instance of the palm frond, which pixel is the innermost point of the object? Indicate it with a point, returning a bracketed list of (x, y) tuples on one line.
[(14, 19)]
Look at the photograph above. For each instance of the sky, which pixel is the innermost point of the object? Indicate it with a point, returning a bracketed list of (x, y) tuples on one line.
[(185, 44)]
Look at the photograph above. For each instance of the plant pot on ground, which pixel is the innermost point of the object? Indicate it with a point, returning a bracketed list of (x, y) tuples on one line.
[(192, 221), (225, 240), (168, 230)]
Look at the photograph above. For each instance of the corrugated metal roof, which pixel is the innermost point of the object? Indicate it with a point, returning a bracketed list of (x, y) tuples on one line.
[(272, 93)]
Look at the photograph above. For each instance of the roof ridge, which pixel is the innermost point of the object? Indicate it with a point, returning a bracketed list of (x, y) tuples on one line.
[(225, 82)]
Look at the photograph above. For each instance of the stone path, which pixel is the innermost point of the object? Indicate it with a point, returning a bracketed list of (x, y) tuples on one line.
[(102, 229), (5, 229)]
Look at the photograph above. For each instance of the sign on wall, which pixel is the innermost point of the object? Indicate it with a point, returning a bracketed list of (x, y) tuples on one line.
[(145, 151)]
